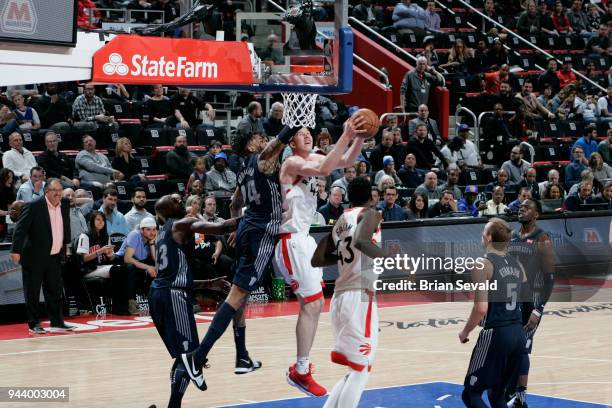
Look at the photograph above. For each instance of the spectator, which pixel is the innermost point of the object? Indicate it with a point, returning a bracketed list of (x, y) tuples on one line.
[(493, 80), (604, 148), (424, 149), (586, 175), (94, 247), (390, 210), (501, 179), (549, 77), (468, 154), (601, 170), (498, 126), (599, 45), (385, 181), (179, 160), (417, 83), (432, 18), (26, 118), (560, 20), (138, 255), (214, 148), (458, 58), (417, 207), (605, 196), (349, 174), (138, 211), (210, 210), (252, 123), (322, 194), (409, 175), (552, 178), (89, 112), (553, 192), (582, 196), (452, 181), (593, 17), (565, 75), (57, 164), (407, 15), (588, 142), (94, 167), (160, 108), (116, 225), (386, 148), (516, 166), (529, 181), (220, 179), (273, 53), (591, 89), (604, 106), (53, 110), (546, 24), (85, 207), (578, 19), (479, 62), (529, 20), (199, 173), (430, 187), (333, 209), (497, 54), (185, 106), (193, 207), (368, 14), (445, 206), (433, 133), (429, 52), (19, 159), (546, 98), (7, 197), (324, 142), (362, 166), (524, 194), (388, 169), (375, 197), (78, 223), (273, 124), (495, 206), (208, 260), (533, 108), (468, 203), (506, 96), (485, 25), (125, 162), (32, 189)]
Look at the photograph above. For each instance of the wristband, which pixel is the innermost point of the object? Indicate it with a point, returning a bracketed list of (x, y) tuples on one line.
[(536, 312), (286, 134)]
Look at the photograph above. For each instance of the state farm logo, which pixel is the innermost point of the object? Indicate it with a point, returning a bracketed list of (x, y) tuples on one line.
[(142, 66), (115, 65), (19, 16)]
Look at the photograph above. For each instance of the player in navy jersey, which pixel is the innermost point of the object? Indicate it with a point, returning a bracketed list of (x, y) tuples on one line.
[(171, 294), (255, 239), (500, 344), (532, 246)]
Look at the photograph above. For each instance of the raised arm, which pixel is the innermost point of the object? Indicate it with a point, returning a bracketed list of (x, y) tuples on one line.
[(351, 155), (268, 158), (191, 225)]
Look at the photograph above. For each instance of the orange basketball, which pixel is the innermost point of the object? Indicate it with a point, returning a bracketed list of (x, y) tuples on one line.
[(371, 124)]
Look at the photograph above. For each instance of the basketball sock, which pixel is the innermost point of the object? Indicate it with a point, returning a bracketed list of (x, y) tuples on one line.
[(521, 393), (217, 327), (303, 363), (353, 388), (179, 380), (240, 341), (334, 395)]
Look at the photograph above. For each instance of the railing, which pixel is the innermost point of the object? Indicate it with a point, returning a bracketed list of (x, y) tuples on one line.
[(127, 14), (382, 74), (482, 115), (531, 151), (476, 127), (388, 42), (529, 43)]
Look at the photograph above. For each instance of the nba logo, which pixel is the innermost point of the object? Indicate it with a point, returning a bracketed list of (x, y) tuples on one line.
[(19, 16)]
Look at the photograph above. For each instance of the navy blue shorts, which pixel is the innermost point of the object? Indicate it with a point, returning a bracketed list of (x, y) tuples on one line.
[(254, 251), (172, 314), (495, 358)]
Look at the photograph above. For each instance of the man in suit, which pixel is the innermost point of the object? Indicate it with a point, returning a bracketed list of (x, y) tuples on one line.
[(39, 241), (433, 132)]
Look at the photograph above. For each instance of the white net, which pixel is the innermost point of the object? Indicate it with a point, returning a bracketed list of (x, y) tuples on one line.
[(299, 109)]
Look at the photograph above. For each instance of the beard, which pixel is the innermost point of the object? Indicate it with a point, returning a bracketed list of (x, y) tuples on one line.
[(140, 206)]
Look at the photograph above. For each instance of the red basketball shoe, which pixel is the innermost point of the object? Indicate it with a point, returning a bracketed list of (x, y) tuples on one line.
[(305, 382)]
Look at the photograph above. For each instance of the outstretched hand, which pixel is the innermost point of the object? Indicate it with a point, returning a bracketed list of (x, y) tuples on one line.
[(353, 127)]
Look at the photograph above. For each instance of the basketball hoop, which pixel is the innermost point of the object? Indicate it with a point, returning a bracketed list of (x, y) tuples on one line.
[(299, 109)]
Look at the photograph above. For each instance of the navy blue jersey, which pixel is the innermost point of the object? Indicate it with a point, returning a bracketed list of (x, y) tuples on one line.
[(526, 251), (173, 270), (261, 194), (504, 306)]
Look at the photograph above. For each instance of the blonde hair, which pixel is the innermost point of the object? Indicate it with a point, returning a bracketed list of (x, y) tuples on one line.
[(119, 148)]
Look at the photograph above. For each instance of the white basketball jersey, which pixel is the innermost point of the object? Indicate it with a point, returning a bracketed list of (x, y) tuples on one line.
[(355, 270), (299, 205)]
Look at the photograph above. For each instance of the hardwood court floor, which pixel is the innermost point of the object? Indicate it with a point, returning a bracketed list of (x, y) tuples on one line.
[(572, 358)]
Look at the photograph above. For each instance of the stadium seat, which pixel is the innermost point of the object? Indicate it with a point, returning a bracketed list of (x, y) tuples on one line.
[(156, 137)]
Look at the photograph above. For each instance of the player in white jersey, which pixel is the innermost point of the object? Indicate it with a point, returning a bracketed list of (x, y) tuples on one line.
[(295, 247), (352, 244)]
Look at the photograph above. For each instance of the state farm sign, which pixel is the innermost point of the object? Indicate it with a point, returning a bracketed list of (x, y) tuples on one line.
[(18, 16), (149, 60)]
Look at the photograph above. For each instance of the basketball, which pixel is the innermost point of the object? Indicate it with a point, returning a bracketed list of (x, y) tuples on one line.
[(371, 124)]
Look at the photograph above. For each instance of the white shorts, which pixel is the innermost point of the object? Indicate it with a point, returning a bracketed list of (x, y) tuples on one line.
[(292, 255), (354, 318)]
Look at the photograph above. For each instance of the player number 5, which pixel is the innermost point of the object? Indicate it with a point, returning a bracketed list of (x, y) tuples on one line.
[(512, 293)]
